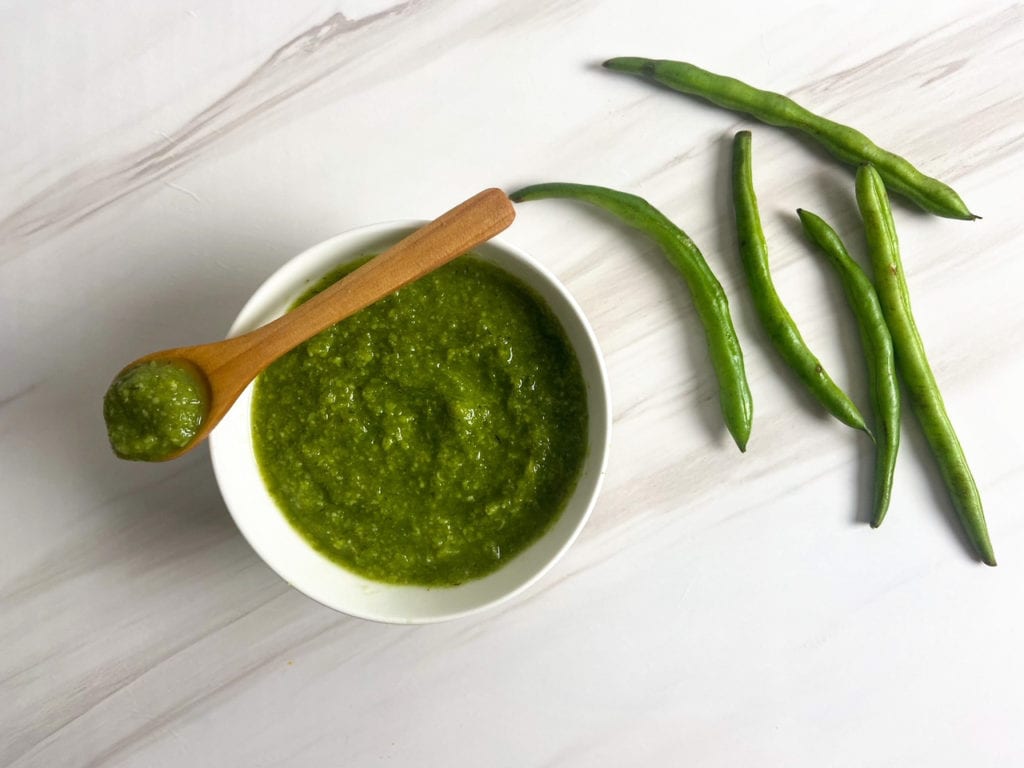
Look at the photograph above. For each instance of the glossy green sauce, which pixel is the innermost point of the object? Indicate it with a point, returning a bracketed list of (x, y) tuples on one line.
[(153, 410), (431, 437)]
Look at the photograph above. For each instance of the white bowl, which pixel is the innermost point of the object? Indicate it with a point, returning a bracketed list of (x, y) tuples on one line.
[(288, 553)]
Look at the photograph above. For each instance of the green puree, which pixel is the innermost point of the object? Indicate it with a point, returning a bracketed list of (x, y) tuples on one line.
[(153, 410), (431, 437)]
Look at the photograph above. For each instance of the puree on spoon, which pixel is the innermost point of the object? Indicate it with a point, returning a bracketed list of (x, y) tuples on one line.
[(154, 409), (432, 436)]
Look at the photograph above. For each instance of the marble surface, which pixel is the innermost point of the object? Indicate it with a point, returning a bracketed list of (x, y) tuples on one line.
[(160, 159)]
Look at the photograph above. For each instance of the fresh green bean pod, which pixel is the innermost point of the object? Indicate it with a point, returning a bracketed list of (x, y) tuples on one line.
[(878, 355), (775, 319), (912, 362), (842, 141), (709, 298)]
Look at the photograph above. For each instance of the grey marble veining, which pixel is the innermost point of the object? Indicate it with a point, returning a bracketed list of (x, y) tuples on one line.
[(720, 609)]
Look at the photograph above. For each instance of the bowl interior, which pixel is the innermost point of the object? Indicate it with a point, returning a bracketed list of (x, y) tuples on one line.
[(284, 549)]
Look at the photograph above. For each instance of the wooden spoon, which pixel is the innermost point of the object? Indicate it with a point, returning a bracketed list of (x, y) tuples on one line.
[(226, 367)]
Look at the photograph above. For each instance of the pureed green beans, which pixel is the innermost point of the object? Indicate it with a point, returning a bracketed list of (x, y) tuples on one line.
[(776, 321), (912, 363), (709, 298), (775, 109), (878, 355)]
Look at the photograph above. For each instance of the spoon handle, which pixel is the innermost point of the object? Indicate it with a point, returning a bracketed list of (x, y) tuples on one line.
[(461, 229)]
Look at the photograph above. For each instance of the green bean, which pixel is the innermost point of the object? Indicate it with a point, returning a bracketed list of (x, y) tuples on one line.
[(775, 109), (878, 355), (912, 362), (777, 322), (709, 298)]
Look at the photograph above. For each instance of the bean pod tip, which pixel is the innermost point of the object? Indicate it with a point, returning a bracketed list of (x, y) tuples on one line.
[(634, 64)]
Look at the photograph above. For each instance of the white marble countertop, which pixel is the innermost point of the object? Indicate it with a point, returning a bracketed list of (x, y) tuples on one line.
[(160, 159)]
